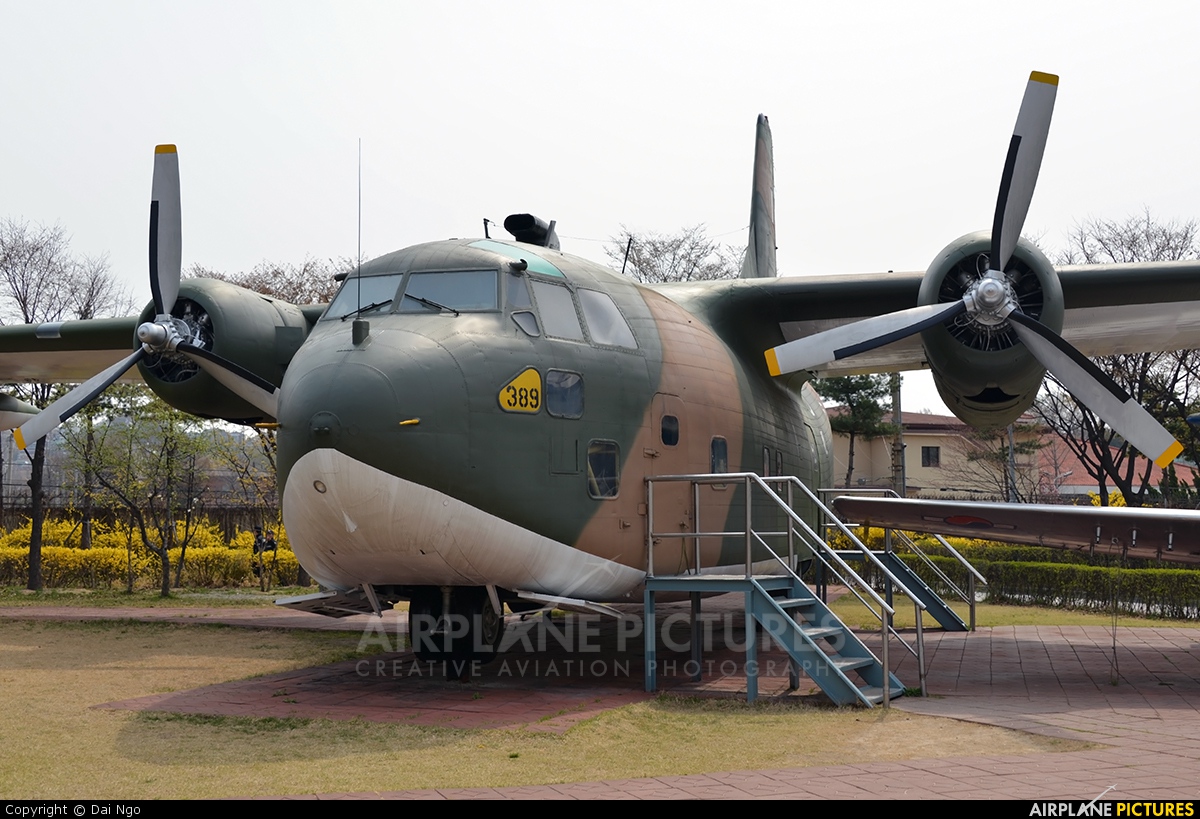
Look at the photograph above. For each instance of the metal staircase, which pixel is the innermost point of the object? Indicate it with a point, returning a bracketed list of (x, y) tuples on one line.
[(814, 638), (936, 606), (825, 649)]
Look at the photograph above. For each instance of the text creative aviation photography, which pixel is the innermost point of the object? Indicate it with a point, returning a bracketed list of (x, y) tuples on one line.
[(470, 425)]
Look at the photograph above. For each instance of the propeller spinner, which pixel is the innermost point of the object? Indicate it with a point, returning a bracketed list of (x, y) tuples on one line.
[(165, 333), (991, 300)]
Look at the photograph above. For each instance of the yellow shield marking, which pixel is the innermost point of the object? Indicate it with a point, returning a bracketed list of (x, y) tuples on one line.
[(523, 393)]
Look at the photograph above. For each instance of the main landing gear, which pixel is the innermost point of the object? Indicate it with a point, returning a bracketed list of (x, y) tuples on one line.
[(457, 625)]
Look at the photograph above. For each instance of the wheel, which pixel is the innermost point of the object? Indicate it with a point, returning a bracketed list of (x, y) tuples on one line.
[(475, 629), (485, 627), (424, 624)]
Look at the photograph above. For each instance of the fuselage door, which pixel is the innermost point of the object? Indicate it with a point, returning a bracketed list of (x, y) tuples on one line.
[(668, 454)]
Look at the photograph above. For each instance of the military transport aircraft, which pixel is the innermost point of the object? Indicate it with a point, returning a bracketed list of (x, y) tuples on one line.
[(470, 422)]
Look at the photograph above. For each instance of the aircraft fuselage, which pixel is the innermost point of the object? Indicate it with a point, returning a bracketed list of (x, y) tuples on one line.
[(496, 424)]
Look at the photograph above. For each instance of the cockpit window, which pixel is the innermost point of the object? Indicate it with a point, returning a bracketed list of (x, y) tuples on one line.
[(361, 296), (438, 291), (604, 320), (557, 308), (518, 292)]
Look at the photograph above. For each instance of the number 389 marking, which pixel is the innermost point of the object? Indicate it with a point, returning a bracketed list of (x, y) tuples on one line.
[(523, 393)]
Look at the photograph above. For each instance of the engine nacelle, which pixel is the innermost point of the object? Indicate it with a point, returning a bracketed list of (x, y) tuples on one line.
[(256, 331), (986, 376)]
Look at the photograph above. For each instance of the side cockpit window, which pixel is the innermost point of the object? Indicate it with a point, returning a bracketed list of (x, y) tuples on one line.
[(557, 309), (604, 320), (517, 295)]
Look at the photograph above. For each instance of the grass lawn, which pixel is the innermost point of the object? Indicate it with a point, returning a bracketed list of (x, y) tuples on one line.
[(54, 744)]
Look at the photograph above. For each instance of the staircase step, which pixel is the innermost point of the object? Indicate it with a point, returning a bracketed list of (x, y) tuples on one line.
[(874, 693), (820, 632), (796, 602), (850, 663)]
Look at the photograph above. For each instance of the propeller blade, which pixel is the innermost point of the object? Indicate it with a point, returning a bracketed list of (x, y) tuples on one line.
[(166, 226), (246, 385), (49, 419), (1022, 165), (812, 351), (1096, 390)]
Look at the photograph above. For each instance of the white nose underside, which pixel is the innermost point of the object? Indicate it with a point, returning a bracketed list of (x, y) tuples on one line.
[(350, 523)]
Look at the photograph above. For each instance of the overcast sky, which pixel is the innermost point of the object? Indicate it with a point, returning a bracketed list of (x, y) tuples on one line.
[(890, 121)]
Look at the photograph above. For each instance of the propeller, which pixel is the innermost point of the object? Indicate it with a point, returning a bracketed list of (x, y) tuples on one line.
[(992, 301), (165, 333)]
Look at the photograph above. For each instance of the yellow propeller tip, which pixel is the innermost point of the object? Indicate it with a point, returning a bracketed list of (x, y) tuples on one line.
[(772, 362), (19, 438), (164, 149), (1171, 453), (1048, 79)]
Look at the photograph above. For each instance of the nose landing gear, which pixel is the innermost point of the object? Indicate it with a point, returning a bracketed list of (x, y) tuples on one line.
[(457, 625)]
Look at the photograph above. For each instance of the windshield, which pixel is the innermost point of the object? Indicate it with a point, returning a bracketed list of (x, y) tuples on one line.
[(370, 293), (452, 290)]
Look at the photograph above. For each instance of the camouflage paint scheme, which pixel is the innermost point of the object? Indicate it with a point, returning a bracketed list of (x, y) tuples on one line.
[(530, 468)]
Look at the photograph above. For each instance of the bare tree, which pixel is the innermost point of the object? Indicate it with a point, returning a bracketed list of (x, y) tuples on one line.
[(149, 459), (1163, 382), (310, 282), (685, 256), (1001, 464), (41, 281)]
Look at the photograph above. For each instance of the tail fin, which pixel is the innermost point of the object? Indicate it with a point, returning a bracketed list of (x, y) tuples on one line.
[(759, 262)]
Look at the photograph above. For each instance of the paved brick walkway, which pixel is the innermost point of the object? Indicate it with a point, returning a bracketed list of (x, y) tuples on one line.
[(1055, 681)]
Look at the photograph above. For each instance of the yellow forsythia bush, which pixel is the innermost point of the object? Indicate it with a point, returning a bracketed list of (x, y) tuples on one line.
[(209, 560), (212, 566)]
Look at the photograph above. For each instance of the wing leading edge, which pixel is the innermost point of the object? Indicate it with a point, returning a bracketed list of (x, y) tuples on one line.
[(65, 352), (1151, 534)]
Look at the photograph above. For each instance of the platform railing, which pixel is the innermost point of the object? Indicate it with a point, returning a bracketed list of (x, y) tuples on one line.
[(973, 575), (798, 528)]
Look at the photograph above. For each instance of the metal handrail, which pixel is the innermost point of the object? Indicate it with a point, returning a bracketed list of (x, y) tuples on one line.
[(798, 527), (973, 574), (890, 610)]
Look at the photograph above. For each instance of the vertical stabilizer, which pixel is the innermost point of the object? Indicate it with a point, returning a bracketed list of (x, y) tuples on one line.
[(760, 252)]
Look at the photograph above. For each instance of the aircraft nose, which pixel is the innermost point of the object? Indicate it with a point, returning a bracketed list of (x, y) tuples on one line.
[(334, 404), (394, 402)]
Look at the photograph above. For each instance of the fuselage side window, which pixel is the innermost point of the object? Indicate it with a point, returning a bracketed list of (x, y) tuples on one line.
[(720, 455), (528, 322), (557, 310), (362, 295), (564, 394), (670, 430), (605, 322), (603, 469)]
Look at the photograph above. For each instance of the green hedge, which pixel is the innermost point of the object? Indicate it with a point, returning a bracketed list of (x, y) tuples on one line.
[(1152, 592)]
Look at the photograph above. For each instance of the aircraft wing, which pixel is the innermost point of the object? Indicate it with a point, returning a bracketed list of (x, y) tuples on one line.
[(65, 351), (1152, 534), (1108, 309)]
